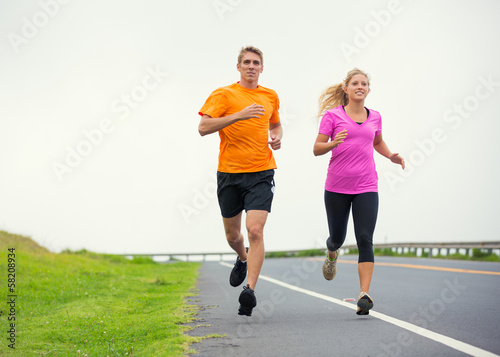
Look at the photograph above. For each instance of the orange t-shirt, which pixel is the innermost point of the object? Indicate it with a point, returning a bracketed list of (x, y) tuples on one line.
[(243, 145)]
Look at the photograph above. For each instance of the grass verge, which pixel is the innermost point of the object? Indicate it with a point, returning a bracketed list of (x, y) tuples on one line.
[(302, 253), (87, 304)]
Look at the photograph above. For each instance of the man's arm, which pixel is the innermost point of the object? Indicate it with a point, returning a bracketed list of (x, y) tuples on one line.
[(276, 133), (209, 125)]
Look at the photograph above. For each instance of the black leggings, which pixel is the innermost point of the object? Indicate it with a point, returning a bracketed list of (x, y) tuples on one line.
[(364, 214)]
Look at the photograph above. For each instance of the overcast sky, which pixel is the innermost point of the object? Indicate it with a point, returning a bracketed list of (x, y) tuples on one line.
[(99, 102)]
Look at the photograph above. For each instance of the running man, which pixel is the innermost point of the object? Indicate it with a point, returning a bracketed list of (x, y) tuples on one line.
[(246, 116)]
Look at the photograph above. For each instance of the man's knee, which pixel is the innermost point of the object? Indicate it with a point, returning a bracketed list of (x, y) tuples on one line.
[(233, 236), (255, 232)]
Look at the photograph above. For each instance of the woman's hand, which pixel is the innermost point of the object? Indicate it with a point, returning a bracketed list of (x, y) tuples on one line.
[(322, 145), (397, 159), (339, 138)]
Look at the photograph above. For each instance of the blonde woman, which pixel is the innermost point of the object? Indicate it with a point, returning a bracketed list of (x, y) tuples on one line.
[(350, 131)]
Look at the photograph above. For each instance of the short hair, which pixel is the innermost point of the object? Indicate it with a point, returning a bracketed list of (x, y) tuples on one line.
[(255, 50)]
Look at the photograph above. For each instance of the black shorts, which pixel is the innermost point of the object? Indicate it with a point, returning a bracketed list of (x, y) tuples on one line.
[(245, 191)]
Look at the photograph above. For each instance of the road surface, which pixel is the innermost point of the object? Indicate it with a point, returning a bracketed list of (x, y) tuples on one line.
[(423, 307)]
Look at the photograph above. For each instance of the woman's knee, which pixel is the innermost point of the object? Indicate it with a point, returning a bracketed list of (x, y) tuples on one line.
[(365, 248), (333, 245)]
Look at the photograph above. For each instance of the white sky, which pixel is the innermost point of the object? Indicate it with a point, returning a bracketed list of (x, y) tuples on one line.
[(147, 183)]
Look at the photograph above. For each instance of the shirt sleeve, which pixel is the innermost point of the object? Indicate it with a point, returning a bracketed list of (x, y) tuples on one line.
[(326, 126), (275, 117), (379, 127), (215, 105)]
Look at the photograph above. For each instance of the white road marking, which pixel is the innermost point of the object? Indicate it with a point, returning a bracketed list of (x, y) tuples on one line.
[(445, 340)]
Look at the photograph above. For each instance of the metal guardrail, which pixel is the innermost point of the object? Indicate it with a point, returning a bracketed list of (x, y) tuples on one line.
[(431, 247), (400, 247)]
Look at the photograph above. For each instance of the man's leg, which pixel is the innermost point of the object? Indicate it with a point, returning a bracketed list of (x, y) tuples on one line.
[(256, 219), (232, 227)]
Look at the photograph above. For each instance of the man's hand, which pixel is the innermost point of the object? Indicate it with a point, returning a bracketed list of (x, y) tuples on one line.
[(209, 125), (275, 143), (252, 111)]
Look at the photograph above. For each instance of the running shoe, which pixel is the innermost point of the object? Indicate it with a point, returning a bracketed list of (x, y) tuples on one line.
[(365, 303), (239, 272), (330, 267), (247, 301)]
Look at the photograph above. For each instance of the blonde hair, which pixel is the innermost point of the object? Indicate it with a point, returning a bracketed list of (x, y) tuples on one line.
[(255, 50), (334, 96)]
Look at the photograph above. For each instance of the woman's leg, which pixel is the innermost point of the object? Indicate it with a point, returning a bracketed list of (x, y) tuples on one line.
[(337, 212), (364, 213)]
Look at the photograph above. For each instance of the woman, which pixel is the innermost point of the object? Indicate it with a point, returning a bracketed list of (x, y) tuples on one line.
[(351, 132)]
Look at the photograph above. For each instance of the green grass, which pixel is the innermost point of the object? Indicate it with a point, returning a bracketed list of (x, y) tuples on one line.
[(390, 252), (83, 303), (302, 253)]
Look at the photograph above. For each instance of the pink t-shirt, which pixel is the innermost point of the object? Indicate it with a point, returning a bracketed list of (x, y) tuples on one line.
[(352, 167)]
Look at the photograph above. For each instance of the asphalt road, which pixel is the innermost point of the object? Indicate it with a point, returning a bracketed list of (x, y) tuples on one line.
[(423, 307)]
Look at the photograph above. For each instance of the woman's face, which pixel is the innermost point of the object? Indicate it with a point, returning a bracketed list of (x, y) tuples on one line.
[(358, 88)]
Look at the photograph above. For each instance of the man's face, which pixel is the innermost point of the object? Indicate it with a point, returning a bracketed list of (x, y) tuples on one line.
[(250, 67)]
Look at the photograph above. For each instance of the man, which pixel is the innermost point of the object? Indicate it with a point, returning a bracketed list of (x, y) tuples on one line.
[(246, 116)]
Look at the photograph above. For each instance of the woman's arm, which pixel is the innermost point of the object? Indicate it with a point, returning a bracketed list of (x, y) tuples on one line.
[(381, 147), (322, 145)]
